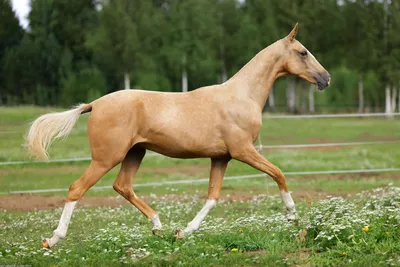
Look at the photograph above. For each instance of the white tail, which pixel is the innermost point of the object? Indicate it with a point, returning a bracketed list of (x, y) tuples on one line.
[(45, 129)]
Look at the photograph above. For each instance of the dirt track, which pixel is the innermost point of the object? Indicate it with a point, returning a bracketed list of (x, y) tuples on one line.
[(29, 202)]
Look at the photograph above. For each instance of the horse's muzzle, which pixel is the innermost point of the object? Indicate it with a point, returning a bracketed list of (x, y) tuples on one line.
[(323, 80)]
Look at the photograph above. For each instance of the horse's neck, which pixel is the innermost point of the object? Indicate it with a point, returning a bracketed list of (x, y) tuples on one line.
[(256, 78)]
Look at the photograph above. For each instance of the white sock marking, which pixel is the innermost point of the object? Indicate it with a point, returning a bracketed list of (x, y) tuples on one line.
[(62, 228), (156, 222), (195, 223), (287, 199)]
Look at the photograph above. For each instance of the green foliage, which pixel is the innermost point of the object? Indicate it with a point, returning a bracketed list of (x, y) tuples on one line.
[(190, 40), (74, 19), (10, 36), (248, 30), (83, 86), (42, 95), (114, 42), (10, 30), (156, 42), (335, 221), (152, 81), (20, 70), (374, 96), (341, 94)]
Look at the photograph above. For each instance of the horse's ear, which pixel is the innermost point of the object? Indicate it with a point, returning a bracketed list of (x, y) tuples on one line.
[(293, 33)]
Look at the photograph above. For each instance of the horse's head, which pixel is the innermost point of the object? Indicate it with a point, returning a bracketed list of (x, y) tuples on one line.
[(299, 61)]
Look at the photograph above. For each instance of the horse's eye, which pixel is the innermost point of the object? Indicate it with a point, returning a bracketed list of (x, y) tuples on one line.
[(303, 53)]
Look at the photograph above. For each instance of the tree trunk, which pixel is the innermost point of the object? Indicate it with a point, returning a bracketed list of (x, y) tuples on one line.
[(127, 81), (394, 96), (303, 98), (184, 81), (360, 94), (224, 75), (291, 94), (271, 100), (388, 109), (311, 105), (184, 74)]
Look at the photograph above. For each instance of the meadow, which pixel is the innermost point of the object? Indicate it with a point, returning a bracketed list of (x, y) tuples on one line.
[(347, 219)]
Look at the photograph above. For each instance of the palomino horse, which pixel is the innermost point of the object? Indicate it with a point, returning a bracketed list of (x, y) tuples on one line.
[(220, 122)]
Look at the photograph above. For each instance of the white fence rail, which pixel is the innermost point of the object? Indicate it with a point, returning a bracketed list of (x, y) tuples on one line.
[(294, 146), (317, 116), (205, 180), (309, 116)]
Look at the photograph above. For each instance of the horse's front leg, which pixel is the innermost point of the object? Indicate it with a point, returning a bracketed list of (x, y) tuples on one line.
[(248, 154), (218, 167)]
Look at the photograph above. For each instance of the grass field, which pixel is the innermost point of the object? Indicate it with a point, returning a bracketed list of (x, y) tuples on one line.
[(338, 225)]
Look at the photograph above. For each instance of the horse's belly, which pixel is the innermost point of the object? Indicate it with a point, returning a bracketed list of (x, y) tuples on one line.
[(181, 148)]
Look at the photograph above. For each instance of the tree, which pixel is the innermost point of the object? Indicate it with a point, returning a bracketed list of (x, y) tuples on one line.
[(150, 73), (20, 71), (73, 20), (11, 34), (248, 30), (362, 35), (229, 21), (389, 60), (190, 42), (85, 85), (323, 44), (114, 42), (42, 18), (266, 25), (290, 14)]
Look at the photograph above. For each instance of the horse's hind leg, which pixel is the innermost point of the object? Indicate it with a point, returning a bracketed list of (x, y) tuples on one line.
[(123, 185), (77, 189)]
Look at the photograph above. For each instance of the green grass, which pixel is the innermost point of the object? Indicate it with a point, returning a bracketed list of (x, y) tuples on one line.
[(246, 233), (117, 236)]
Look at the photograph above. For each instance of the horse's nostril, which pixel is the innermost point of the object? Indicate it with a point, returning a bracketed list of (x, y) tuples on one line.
[(328, 78)]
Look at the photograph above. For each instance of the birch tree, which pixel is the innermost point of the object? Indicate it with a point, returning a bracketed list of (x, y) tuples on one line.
[(114, 42), (192, 38)]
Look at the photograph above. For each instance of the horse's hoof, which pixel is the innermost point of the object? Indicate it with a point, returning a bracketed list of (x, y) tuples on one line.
[(158, 232), (178, 234), (292, 218), (45, 244)]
